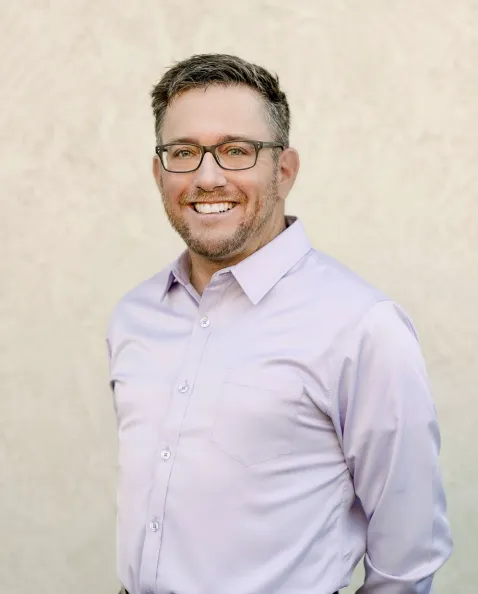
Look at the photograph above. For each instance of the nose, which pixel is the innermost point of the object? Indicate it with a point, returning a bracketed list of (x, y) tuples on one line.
[(210, 176)]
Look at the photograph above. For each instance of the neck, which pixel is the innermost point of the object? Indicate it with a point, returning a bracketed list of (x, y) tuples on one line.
[(203, 268)]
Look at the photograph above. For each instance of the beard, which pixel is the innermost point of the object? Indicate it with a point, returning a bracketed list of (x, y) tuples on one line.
[(218, 248)]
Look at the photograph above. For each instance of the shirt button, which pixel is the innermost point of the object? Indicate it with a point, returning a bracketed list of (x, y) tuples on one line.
[(165, 454), (205, 322), (183, 388), (154, 526)]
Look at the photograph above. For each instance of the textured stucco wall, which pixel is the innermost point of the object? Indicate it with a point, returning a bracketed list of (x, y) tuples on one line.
[(385, 104)]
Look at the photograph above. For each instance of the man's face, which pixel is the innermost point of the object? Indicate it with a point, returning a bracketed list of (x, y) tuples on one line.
[(206, 117)]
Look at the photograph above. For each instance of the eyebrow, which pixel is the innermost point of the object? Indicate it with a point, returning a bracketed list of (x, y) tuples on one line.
[(223, 138)]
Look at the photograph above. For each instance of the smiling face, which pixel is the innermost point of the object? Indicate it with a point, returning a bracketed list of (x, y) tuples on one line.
[(222, 214)]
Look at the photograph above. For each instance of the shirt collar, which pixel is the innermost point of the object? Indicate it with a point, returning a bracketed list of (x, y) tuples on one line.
[(179, 271), (262, 270)]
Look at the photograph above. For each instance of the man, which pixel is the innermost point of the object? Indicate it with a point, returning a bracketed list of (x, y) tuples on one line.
[(274, 416)]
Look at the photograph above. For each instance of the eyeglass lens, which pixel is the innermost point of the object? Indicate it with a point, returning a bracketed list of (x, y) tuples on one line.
[(231, 155)]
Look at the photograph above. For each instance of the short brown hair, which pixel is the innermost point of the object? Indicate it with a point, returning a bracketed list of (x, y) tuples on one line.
[(222, 69)]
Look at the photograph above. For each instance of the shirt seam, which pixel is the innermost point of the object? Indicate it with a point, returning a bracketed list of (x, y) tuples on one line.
[(333, 390)]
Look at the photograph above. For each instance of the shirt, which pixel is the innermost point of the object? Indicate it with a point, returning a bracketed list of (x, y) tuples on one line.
[(273, 431)]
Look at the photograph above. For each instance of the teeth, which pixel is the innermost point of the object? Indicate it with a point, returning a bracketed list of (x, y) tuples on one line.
[(204, 208)]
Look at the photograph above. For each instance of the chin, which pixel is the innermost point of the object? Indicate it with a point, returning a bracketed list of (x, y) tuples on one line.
[(211, 252), (214, 250)]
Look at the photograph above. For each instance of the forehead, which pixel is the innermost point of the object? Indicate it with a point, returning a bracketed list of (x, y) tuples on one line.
[(204, 115)]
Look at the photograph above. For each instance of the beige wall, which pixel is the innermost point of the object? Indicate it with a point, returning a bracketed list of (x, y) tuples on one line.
[(385, 103)]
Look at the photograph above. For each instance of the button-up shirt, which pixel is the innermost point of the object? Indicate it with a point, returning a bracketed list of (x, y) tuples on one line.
[(273, 431)]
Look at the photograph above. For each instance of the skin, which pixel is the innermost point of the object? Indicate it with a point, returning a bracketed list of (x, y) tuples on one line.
[(216, 241)]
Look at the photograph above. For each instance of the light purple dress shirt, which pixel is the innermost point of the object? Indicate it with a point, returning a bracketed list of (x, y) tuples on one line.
[(272, 431)]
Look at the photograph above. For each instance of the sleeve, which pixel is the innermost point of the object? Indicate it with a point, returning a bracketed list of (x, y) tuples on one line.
[(391, 443), (111, 361), (111, 339)]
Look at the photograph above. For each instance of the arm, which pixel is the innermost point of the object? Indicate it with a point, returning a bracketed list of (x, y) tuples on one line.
[(391, 443)]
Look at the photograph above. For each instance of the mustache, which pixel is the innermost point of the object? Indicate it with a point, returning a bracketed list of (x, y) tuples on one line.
[(210, 197)]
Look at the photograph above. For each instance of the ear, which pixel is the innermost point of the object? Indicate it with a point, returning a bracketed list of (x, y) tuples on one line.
[(157, 171), (289, 164)]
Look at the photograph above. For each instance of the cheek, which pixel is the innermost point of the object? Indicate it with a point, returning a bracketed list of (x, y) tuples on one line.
[(257, 186), (256, 195), (251, 188), (172, 189)]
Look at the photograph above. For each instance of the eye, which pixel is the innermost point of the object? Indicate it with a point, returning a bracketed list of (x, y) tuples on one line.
[(235, 151), (182, 154)]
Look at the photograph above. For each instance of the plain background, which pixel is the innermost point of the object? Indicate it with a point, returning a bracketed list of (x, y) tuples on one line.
[(384, 96)]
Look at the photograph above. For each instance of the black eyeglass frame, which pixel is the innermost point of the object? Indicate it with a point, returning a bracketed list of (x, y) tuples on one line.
[(258, 145)]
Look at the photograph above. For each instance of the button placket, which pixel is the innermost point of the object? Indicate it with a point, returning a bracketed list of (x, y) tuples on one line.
[(183, 388)]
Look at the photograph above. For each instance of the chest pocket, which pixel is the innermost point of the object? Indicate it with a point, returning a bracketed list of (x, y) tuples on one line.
[(256, 416)]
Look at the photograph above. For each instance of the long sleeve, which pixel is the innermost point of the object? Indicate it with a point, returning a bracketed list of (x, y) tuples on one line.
[(391, 444)]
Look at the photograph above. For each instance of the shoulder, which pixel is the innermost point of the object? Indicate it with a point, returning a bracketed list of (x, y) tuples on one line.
[(355, 307), (146, 295), (337, 278), (336, 289)]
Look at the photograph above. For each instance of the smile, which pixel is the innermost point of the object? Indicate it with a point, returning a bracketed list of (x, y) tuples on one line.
[(214, 208)]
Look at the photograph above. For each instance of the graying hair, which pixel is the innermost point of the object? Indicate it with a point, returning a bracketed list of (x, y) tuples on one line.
[(222, 69)]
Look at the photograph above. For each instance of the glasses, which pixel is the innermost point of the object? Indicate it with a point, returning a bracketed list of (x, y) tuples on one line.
[(233, 155)]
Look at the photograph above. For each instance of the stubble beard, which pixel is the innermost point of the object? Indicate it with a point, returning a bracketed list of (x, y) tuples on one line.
[(220, 248)]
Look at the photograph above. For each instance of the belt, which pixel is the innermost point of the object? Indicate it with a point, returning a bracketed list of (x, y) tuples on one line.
[(125, 591)]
